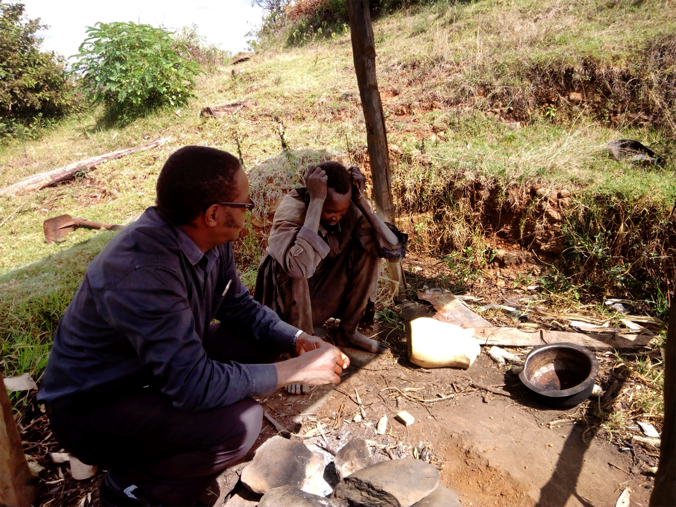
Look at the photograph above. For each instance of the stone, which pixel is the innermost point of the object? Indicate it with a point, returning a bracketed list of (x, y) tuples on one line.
[(440, 497), (397, 483), (288, 496), (279, 462), (435, 344), (515, 258), (552, 214), (575, 97), (355, 456), (381, 428), (564, 193), (405, 418), (316, 484)]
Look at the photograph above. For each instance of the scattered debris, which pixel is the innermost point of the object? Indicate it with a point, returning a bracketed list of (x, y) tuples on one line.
[(501, 356), (229, 109), (648, 429), (241, 57), (382, 425), (628, 150), (650, 442), (405, 418), (23, 383), (452, 310), (625, 499), (46, 179), (281, 429), (512, 337)]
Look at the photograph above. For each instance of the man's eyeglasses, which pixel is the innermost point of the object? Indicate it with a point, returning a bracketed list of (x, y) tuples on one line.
[(248, 205)]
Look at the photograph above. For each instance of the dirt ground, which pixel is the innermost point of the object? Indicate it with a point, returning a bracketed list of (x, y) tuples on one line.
[(491, 449), (492, 442)]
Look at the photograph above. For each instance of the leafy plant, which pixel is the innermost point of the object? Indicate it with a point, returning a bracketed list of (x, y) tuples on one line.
[(34, 86), (133, 69)]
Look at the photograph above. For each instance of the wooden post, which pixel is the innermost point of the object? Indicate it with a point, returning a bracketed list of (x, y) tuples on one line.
[(364, 55), (18, 487)]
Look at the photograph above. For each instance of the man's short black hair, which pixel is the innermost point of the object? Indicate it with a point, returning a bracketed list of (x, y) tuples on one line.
[(192, 179), (339, 178)]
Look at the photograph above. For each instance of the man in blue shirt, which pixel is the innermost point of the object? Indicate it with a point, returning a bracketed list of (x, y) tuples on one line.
[(140, 380)]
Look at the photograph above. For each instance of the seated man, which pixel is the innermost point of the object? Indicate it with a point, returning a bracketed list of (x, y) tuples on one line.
[(324, 254), (139, 380)]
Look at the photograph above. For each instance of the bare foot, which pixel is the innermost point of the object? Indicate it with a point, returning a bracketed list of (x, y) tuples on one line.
[(359, 341)]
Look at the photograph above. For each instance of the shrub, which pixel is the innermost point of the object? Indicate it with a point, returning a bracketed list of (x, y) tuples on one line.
[(133, 69), (34, 85)]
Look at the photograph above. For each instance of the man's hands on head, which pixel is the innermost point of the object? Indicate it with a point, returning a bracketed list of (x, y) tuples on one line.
[(315, 182), (358, 184), (318, 363)]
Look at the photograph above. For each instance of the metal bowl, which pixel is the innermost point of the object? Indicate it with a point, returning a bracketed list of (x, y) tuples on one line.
[(562, 374)]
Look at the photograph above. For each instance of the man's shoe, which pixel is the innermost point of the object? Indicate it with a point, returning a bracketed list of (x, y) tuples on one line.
[(115, 492)]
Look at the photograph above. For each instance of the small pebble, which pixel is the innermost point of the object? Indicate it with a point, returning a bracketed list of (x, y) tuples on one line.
[(550, 445)]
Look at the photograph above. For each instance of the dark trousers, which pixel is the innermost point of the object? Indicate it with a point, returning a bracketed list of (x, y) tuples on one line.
[(172, 455)]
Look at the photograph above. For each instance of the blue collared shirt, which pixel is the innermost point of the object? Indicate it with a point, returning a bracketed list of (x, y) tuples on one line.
[(141, 313)]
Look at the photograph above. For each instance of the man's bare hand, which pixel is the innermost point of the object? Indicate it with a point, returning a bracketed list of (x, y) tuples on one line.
[(315, 182), (358, 183), (306, 343), (320, 366)]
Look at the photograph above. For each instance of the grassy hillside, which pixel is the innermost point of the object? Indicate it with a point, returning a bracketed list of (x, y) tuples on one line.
[(501, 94)]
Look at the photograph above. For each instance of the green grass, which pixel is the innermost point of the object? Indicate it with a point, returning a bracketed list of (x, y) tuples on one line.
[(462, 92)]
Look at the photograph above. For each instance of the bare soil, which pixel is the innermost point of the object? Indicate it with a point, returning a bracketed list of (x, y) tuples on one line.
[(491, 441), (492, 449)]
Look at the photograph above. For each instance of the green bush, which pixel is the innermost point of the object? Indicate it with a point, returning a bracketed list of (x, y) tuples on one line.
[(34, 85), (133, 69)]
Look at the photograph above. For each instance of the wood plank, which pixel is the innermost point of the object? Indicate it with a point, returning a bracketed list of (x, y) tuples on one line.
[(18, 487), (46, 179), (511, 337), (452, 310)]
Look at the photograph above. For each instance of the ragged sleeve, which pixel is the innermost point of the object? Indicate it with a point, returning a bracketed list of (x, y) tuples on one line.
[(376, 244), (295, 247)]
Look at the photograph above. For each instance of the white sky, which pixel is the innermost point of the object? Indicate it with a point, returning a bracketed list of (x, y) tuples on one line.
[(221, 22)]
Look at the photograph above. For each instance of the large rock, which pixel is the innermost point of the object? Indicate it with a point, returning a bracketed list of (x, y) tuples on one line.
[(316, 483), (279, 462), (288, 496), (353, 457), (440, 497), (398, 483)]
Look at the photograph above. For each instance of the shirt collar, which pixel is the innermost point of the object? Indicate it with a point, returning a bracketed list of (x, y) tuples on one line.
[(188, 246), (323, 232)]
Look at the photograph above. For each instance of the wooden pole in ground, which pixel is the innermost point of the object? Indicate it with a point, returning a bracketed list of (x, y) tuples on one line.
[(364, 55), (18, 487)]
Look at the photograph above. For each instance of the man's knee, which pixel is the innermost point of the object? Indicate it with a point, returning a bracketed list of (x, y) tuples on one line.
[(243, 421)]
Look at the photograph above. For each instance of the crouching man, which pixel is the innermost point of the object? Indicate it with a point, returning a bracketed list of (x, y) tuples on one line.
[(323, 258), (139, 380)]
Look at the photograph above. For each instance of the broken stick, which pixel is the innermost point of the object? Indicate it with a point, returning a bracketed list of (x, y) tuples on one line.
[(18, 487), (43, 180)]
